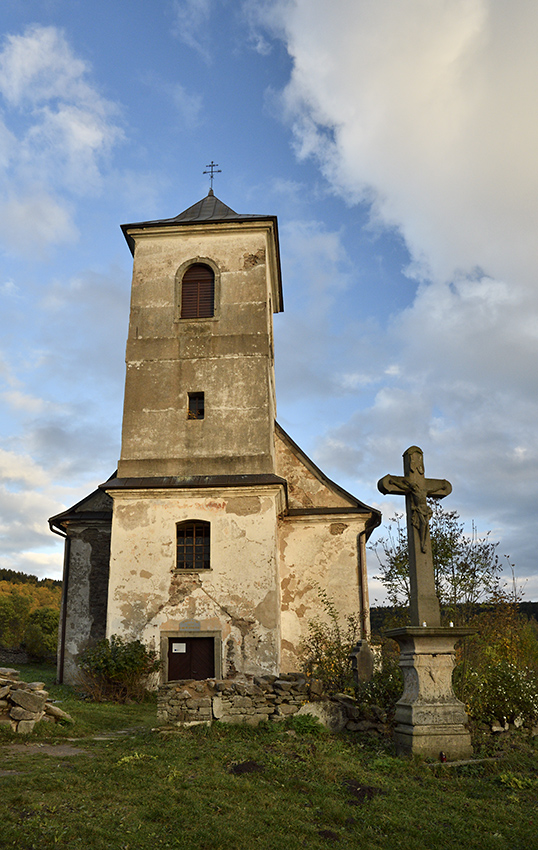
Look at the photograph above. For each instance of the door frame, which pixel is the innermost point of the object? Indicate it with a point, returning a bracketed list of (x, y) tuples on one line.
[(188, 633)]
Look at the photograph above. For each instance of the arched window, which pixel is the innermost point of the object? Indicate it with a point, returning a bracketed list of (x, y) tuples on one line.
[(193, 545), (198, 292)]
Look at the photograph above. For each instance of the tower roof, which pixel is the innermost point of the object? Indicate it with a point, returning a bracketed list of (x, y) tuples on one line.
[(208, 209)]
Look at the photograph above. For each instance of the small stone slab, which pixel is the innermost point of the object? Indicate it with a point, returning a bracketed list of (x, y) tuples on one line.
[(59, 713), (9, 673), (30, 700), (19, 713)]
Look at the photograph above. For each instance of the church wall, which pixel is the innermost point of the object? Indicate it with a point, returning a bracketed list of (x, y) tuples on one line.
[(89, 551), (315, 553), (305, 490), (228, 357), (237, 600)]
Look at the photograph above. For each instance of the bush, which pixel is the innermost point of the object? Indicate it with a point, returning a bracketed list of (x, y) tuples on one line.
[(326, 649), (503, 691), (386, 685), (117, 670)]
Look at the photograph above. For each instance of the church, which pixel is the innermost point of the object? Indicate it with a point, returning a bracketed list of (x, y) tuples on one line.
[(212, 540)]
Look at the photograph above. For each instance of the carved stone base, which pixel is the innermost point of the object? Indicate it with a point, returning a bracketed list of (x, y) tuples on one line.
[(430, 720)]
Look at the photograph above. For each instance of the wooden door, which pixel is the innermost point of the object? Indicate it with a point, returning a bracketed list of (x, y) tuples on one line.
[(191, 658)]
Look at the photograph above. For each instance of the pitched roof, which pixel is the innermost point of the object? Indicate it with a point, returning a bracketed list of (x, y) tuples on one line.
[(208, 209), (211, 209)]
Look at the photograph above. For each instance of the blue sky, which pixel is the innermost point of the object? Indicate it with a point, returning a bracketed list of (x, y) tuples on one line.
[(395, 142)]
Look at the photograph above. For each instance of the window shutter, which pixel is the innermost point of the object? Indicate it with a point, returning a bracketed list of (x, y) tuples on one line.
[(198, 292)]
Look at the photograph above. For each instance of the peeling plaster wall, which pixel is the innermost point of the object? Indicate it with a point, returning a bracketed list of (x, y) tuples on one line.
[(238, 597), (228, 357), (305, 490), (315, 552), (87, 591)]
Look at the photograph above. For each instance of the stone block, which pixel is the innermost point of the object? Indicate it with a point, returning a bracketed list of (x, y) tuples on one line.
[(287, 709), (330, 714), (57, 713), (18, 713), (30, 700), (9, 673), (24, 727)]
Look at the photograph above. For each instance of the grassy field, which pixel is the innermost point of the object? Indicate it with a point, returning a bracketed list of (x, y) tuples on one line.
[(109, 781)]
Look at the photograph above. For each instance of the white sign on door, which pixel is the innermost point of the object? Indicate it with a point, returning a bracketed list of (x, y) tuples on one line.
[(179, 647)]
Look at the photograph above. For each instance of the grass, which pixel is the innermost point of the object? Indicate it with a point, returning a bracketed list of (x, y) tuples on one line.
[(305, 788)]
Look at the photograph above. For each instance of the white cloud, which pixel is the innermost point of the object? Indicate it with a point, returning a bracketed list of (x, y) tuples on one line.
[(425, 112), (21, 469), (191, 27), (189, 106), (23, 401), (37, 213), (57, 134)]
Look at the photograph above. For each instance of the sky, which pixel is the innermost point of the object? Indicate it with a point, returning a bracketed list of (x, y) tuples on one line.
[(397, 144)]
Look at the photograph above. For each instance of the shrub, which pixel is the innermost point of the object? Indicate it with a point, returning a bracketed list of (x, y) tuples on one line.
[(503, 691), (327, 646), (386, 685), (117, 670)]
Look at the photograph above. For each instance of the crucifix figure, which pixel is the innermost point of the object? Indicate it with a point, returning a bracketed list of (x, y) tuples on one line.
[(416, 488), (213, 169)]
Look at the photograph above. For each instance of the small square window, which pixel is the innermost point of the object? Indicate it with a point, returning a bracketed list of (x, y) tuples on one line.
[(196, 406)]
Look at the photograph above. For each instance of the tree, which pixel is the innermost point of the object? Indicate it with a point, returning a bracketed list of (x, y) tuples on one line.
[(467, 568), (41, 635)]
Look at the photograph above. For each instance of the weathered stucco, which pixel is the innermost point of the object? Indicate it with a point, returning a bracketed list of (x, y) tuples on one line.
[(239, 597), (228, 357), (87, 527)]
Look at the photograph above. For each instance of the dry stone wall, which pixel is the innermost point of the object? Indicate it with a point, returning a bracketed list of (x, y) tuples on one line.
[(265, 698), (273, 698), (23, 704)]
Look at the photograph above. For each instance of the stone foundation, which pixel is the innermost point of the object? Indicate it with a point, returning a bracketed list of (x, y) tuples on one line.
[(23, 704)]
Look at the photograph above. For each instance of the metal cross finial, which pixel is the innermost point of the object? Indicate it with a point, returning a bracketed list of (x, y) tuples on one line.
[(214, 169)]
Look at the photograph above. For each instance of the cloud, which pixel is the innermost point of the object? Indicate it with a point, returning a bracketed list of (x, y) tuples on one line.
[(57, 134), (191, 26), (189, 106), (426, 111), (424, 114), (21, 469), (48, 221)]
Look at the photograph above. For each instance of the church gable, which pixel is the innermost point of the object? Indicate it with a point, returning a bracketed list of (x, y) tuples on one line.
[(308, 487)]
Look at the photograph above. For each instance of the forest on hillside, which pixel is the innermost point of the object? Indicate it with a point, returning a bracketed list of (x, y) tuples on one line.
[(29, 613)]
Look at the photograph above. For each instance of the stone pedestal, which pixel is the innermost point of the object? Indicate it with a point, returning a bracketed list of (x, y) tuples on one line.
[(429, 718)]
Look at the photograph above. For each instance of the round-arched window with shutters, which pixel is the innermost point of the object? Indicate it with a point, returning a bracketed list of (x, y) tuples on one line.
[(198, 292)]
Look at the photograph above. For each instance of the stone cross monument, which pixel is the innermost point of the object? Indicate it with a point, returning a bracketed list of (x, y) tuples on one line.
[(416, 488), (429, 719)]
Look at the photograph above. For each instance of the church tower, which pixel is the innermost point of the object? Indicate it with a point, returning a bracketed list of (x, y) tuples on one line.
[(214, 538), (200, 390), (196, 498)]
